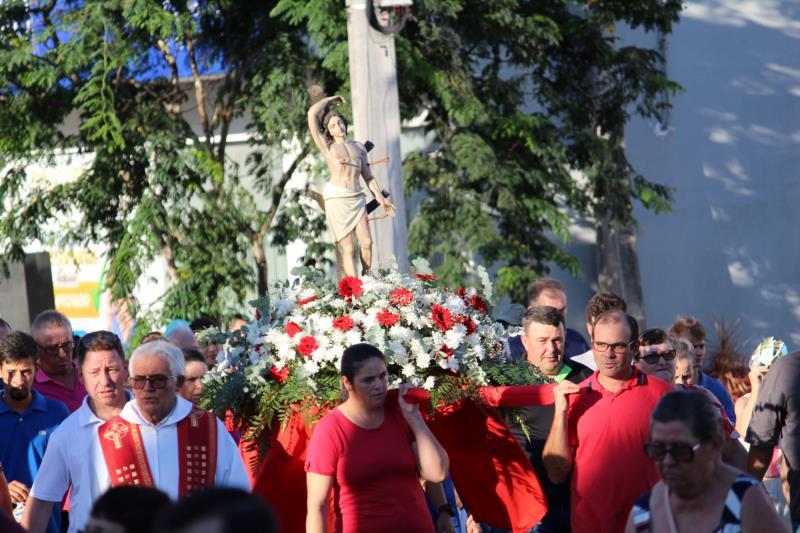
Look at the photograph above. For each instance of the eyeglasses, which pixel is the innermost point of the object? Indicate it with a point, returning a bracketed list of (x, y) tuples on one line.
[(158, 381), (55, 348), (681, 453), (652, 358), (619, 348)]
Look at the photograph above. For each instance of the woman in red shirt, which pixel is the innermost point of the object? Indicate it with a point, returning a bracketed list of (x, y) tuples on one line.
[(371, 456)]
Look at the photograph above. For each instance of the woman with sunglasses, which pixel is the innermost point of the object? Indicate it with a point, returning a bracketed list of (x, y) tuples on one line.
[(697, 491)]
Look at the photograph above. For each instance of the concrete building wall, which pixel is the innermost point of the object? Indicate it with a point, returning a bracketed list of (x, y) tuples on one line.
[(731, 247)]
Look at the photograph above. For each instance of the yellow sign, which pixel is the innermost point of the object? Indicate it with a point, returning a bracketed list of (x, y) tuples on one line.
[(76, 282)]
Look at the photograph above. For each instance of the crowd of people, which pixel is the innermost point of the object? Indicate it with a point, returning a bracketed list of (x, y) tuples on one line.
[(638, 436)]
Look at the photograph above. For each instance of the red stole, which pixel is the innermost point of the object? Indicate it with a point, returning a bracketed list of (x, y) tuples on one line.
[(126, 460)]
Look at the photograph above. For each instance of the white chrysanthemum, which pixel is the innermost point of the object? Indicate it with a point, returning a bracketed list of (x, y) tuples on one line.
[(438, 338), (412, 318), (423, 360), (338, 336), (409, 370), (429, 383), (352, 337), (310, 367), (338, 303), (455, 304), (455, 335), (399, 332), (358, 317), (371, 318), (479, 352), (398, 352), (473, 340)]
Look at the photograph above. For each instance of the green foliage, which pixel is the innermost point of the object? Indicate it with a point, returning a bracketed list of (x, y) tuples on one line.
[(528, 100), (104, 81)]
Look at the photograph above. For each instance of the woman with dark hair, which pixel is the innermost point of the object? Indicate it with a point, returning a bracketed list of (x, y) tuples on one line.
[(371, 455), (697, 491)]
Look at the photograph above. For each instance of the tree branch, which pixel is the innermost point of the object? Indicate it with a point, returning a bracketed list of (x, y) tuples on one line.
[(277, 195), (199, 90)]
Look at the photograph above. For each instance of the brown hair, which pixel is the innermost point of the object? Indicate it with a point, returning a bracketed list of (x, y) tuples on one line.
[(98, 341), (688, 326), (603, 302), (17, 346), (540, 285)]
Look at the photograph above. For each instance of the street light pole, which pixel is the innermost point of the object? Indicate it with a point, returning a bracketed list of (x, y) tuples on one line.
[(376, 117)]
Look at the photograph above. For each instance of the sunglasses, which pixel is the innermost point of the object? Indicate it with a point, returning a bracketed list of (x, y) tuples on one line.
[(681, 453), (652, 358), (55, 348), (158, 381)]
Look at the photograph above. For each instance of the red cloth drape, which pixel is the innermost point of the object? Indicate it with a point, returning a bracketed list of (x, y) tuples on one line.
[(491, 472)]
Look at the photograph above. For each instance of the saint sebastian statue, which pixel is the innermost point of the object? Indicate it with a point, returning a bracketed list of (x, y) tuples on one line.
[(345, 207)]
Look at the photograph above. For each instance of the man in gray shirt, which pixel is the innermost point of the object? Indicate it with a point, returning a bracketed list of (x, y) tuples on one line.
[(776, 417)]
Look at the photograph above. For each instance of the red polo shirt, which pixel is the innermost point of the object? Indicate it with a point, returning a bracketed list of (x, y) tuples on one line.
[(56, 390), (611, 469)]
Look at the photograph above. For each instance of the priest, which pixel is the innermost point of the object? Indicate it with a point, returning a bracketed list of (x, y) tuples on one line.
[(159, 439)]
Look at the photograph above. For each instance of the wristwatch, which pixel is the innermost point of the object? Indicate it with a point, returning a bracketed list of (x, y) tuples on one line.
[(447, 508)]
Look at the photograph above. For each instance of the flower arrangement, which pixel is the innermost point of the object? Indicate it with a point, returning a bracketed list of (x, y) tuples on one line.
[(442, 340)]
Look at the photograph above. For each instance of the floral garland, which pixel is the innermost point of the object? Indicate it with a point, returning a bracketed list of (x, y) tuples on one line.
[(444, 341)]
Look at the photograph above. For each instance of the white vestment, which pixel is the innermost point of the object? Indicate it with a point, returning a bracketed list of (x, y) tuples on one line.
[(74, 455)]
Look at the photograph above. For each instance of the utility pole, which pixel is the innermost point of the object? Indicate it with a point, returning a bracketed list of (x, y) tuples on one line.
[(376, 114)]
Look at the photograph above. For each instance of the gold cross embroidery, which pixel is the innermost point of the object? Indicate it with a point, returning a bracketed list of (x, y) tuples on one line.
[(116, 433)]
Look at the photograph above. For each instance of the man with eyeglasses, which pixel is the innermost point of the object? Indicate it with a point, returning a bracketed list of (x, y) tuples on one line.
[(599, 429), (58, 377), (657, 357), (161, 439), (158, 439), (691, 329), (72, 451)]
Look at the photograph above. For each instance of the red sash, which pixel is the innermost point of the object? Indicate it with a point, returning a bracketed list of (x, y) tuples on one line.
[(197, 451), (123, 450), (126, 460)]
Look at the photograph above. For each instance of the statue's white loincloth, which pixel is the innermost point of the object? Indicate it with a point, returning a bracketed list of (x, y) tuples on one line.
[(344, 209)]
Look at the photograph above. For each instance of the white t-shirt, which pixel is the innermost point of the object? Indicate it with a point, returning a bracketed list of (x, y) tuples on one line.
[(76, 456), (586, 359)]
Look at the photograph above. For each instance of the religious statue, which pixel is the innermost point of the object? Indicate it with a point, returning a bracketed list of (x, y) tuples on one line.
[(344, 203)]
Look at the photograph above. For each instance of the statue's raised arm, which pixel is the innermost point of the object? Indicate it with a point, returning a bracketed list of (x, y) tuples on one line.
[(316, 114)]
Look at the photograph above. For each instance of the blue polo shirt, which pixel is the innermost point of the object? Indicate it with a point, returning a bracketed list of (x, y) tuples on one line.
[(718, 389), (23, 439)]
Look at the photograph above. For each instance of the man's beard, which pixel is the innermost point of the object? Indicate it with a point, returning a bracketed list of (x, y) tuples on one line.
[(18, 395)]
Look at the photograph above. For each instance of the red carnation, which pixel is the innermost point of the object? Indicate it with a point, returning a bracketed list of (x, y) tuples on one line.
[(308, 300), (350, 287), (387, 319), (344, 323), (446, 351), (307, 346), (292, 329), (462, 292), (401, 297), (468, 323), (279, 375), (478, 304), (441, 317), (425, 277)]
